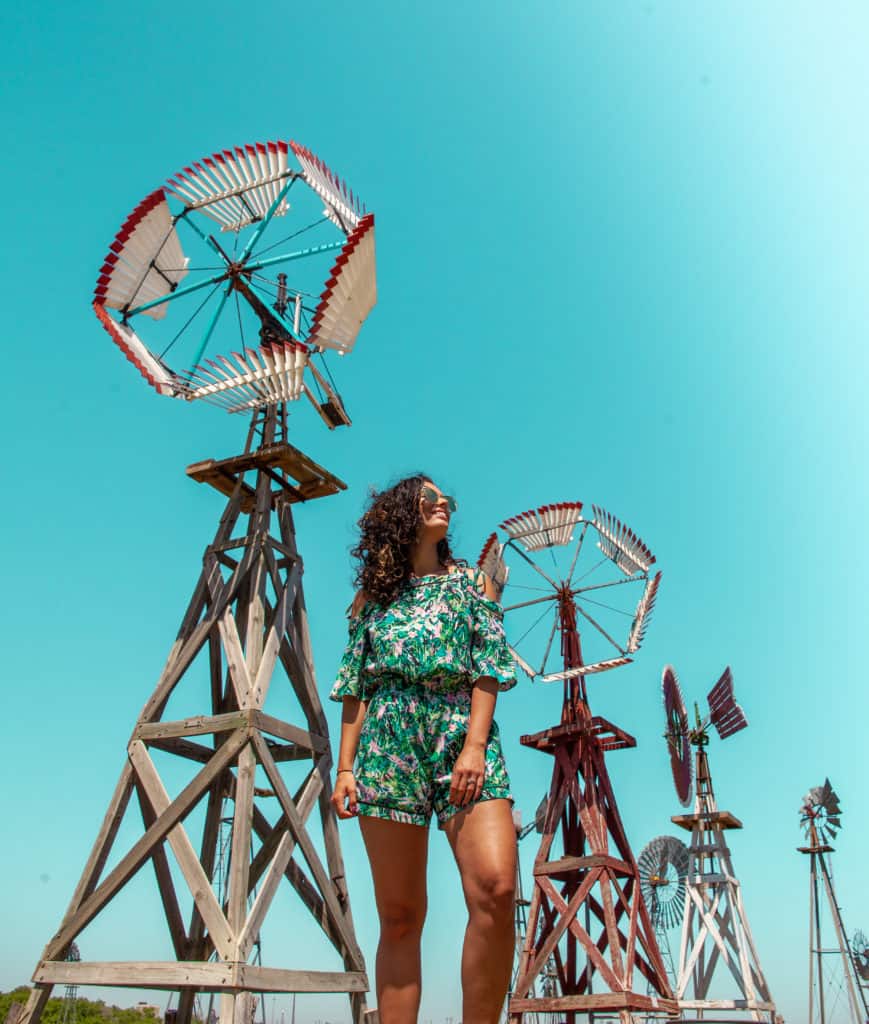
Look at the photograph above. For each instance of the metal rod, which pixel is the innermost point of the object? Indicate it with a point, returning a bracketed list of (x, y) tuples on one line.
[(210, 329), (170, 296), (299, 254), (263, 224)]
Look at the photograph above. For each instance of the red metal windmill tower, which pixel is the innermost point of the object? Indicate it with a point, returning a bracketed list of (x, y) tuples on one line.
[(587, 910)]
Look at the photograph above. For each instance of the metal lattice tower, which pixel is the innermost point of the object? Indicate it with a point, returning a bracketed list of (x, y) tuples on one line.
[(716, 938), (820, 816), (590, 946), (69, 1013)]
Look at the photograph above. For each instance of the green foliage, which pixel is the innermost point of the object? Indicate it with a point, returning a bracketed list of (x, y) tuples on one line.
[(86, 1012)]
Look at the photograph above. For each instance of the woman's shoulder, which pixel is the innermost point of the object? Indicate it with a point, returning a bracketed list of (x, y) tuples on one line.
[(479, 581), (358, 604)]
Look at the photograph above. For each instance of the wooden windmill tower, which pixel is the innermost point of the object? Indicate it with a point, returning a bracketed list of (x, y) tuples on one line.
[(190, 271), (716, 938), (558, 569)]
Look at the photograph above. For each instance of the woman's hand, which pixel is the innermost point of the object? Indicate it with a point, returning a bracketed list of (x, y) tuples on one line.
[(344, 795), (469, 773)]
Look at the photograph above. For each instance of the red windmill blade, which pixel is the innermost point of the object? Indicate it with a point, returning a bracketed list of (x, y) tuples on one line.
[(677, 735), (725, 714)]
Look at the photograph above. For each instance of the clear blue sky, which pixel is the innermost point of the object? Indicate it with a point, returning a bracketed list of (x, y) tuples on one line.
[(621, 259)]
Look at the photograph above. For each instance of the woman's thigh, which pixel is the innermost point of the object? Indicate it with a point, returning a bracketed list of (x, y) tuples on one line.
[(398, 854), (483, 840)]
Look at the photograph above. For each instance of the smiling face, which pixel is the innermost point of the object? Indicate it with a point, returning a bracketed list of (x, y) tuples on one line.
[(434, 512)]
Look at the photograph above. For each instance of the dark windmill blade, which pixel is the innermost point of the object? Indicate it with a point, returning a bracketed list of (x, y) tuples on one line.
[(540, 815), (677, 735), (725, 714)]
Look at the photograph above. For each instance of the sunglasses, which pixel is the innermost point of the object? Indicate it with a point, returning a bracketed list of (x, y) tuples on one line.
[(432, 497)]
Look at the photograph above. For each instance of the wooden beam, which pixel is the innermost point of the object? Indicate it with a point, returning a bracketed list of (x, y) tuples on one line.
[(196, 725), (141, 850), (290, 733), (184, 748), (103, 844), (198, 882), (274, 637), (207, 977), (239, 860), (164, 880), (297, 827), (564, 866), (235, 657)]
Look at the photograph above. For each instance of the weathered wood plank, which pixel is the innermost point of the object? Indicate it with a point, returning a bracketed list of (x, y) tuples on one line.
[(274, 637), (251, 928), (602, 1001), (565, 865), (290, 733), (272, 979), (141, 850), (239, 861), (221, 931), (196, 725), (235, 657), (184, 748), (164, 880), (209, 977), (297, 827), (103, 844), (304, 799), (39, 996)]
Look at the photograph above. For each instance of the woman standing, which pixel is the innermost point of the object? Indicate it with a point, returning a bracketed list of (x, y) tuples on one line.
[(419, 679)]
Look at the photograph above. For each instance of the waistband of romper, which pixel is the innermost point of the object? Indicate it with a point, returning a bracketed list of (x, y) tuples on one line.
[(440, 687)]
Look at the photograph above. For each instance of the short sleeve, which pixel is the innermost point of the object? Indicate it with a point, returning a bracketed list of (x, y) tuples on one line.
[(490, 654), (349, 682)]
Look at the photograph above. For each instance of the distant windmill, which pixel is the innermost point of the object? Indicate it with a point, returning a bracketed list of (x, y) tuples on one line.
[(860, 956), (821, 819), (715, 931), (663, 866)]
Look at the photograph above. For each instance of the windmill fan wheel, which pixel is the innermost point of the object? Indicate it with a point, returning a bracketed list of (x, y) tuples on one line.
[(821, 812), (663, 868)]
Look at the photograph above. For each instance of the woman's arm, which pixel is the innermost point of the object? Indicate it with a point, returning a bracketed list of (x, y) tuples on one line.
[(344, 793), (352, 716), (469, 772)]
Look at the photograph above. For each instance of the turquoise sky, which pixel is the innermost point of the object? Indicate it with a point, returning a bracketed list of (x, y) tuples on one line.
[(621, 259)]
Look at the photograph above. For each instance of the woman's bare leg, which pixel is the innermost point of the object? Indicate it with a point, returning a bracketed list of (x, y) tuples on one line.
[(398, 854), (483, 839)]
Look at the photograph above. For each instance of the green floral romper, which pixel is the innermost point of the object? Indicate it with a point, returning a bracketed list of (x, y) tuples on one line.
[(415, 663)]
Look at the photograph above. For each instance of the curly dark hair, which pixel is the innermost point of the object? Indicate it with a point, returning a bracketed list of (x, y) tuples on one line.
[(387, 534)]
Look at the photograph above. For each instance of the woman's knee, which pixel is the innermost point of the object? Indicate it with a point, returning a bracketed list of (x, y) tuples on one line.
[(492, 893), (400, 920)]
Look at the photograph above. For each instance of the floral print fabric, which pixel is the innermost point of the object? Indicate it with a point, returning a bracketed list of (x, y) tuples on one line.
[(415, 663), (439, 631)]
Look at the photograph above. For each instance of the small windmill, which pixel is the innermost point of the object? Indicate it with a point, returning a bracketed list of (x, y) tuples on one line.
[(821, 820), (196, 292), (587, 580), (715, 932), (663, 865), (860, 956)]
